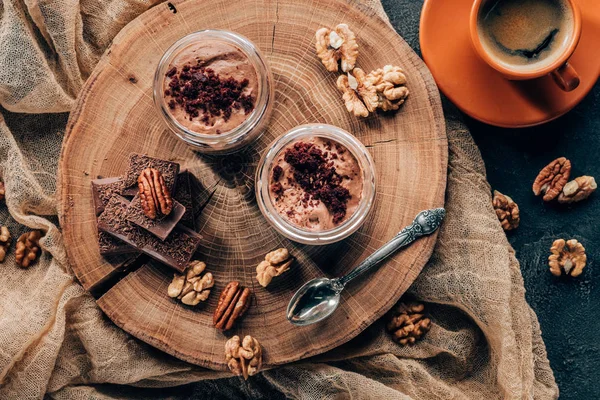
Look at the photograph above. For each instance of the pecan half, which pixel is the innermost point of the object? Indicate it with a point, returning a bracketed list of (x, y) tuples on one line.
[(551, 180), (578, 189), (507, 211), (243, 357), (28, 248), (5, 239), (233, 303), (155, 196), (568, 257)]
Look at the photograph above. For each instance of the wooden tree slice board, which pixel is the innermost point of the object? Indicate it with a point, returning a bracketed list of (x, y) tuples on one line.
[(115, 116)]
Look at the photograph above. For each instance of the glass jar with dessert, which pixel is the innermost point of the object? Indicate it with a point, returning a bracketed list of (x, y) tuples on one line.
[(316, 184), (214, 90)]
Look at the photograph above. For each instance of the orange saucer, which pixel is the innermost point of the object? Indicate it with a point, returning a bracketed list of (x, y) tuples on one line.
[(479, 90)]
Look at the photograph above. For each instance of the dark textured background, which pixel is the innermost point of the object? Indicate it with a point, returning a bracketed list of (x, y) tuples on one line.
[(568, 309)]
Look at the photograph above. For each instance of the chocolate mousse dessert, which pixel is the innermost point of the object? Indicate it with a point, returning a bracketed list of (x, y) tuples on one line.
[(316, 184), (210, 87)]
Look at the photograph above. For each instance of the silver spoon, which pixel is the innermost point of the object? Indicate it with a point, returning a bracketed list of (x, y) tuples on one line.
[(317, 299)]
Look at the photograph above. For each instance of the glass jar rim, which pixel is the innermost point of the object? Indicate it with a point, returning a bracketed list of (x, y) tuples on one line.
[(256, 59), (292, 231)]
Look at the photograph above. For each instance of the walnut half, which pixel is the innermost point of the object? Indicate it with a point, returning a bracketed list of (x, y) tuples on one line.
[(337, 48), (28, 248), (5, 239), (192, 287), (568, 257), (578, 189), (551, 180), (507, 211), (243, 357), (275, 264), (408, 323)]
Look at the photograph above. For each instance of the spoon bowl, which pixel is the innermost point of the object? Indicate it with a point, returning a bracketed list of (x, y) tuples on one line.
[(314, 301)]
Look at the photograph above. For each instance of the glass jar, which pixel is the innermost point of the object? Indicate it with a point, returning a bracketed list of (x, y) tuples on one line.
[(283, 225), (255, 122)]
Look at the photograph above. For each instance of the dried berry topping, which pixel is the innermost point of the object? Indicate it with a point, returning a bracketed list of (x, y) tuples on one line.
[(198, 90), (318, 178)]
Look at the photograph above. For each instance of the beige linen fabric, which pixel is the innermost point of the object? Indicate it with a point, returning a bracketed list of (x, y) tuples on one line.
[(485, 341)]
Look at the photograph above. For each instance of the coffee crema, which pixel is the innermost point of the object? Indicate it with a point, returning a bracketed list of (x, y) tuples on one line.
[(525, 34)]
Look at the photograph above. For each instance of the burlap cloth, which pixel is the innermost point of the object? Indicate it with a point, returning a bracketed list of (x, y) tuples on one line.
[(485, 341)]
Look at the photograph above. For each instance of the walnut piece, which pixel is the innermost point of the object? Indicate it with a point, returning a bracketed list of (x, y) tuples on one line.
[(568, 257), (155, 196), (337, 48), (2, 190), (578, 189), (243, 358), (275, 263), (389, 83), (192, 287), (551, 180), (408, 323), (28, 248), (507, 211), (5, 239), (383, 88), (233, 303)]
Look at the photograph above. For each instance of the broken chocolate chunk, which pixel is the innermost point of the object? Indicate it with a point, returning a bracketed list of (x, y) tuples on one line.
[(176, 251), (184, 196), (162, 226), (138, 163), (102, 191)]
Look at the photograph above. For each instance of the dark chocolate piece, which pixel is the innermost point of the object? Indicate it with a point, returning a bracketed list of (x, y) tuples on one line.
[(183, 194), (102, 190), (138, 163), (111, 246), (162, 226), (176, 251)]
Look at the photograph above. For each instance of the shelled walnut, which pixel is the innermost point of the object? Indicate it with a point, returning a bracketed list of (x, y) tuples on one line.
[(192, 287), (337, 48), (2, 190), (578, 189), (155, 196), (5, 239), (568, 257), (389, 83), (243, 358), (233, 303), (28, 248), (383, 88), (275, 263), (507, 211), (408, 323), (552, 178)]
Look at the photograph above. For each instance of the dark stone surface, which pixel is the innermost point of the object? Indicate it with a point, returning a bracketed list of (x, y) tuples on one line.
[(568, 309)]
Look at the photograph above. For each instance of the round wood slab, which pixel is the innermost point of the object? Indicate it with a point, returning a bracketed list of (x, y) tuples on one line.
[(115, 116)]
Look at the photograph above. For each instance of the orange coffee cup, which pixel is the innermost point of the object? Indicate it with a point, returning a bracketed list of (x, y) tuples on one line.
[(563, 73)]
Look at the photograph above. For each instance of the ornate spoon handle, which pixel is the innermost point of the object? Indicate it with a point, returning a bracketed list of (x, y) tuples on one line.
[(424, 223)]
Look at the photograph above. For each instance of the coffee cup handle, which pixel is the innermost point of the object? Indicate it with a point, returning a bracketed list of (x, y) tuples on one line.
[(566, 77)]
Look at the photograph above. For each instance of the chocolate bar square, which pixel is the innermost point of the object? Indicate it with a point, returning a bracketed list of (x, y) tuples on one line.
[(162, 226), (102, 191), (176, 251), (138, 163)]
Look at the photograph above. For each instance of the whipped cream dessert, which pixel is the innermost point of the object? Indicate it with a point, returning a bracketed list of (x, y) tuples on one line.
[(316, 183), (210, 87)]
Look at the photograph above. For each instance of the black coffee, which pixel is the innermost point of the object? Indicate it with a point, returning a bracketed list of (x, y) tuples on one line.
[(525, 33)]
